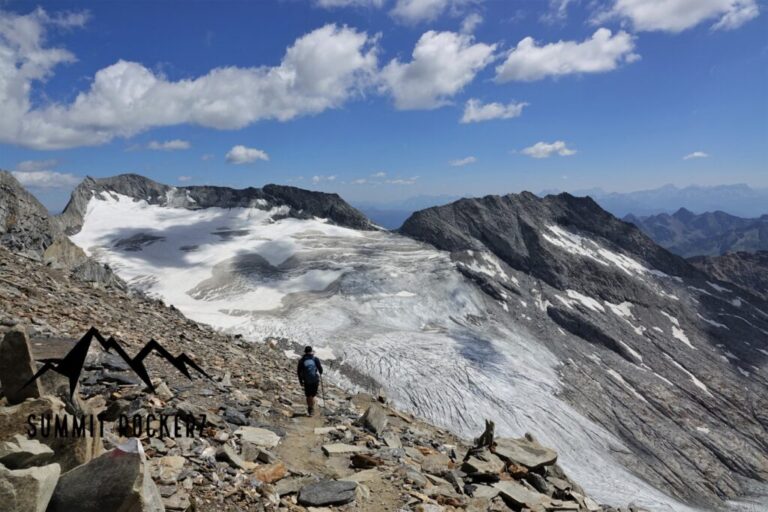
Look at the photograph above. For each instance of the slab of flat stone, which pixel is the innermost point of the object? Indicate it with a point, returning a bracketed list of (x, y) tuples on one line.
[(519, 495), (527, 453), (258, 436), (486, 463), (327, 493), (341, 448), (485, 492), (392, 440)]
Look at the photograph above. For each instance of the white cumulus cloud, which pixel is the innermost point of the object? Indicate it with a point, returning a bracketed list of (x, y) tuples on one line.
[(470, 23), (321, 70), (604, 51), (476, 111), (38, 174), (184, 178), (696, 154), (442, 64), (239, 155), (547, 149), (417, 11), (679, 15), (320, 179), (461, 162), (169, 145), (36, 165)]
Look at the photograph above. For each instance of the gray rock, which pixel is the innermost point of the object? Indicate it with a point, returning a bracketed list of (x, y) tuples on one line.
[(28, 490), (17, 367), (25, 225), (124, 484), (524, 452), (519, 496), (483, 462), (258, 436), (227, 454), (20, 453), (375, 419), (327, 492)]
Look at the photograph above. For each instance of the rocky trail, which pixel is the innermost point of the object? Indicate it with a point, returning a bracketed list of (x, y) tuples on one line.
[(258, 449)]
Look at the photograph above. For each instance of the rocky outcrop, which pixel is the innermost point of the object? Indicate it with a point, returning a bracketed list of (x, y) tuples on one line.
[(705, 234), (302, 204), (27, 228), (25, 225), (746, 270), (653, 349)]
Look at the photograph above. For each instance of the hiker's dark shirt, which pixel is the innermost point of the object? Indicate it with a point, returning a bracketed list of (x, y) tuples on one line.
[(300, 367)]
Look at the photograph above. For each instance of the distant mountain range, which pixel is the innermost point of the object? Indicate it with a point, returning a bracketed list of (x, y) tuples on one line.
[(739, 200), (707, 234)]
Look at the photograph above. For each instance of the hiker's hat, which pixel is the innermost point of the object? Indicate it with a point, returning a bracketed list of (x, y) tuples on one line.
[(308, 349)]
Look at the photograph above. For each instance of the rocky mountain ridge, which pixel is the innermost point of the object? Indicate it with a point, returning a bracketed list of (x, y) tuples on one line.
[(27, 228), (706, 234), (301, 203)]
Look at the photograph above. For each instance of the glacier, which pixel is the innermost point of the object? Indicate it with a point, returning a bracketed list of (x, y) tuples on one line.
[(395, 310)]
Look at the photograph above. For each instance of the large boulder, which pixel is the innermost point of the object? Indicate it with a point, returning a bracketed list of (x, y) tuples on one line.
[(374, 420), (28, 490), (17, 368), (327, 492), (20, 453), (119, 481)]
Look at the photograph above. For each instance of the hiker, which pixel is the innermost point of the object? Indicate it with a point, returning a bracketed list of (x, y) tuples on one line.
[(309, 370)]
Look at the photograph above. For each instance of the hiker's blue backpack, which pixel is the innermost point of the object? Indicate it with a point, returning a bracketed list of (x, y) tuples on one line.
[(310, 370)]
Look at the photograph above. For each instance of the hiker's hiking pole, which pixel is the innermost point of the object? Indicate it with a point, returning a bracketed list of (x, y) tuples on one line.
[(322, 392)]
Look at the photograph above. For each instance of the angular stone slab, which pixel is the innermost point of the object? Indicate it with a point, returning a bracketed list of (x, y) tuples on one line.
[(28, 490), (519, 495), (341, 448), (258, 436), (527, 453), (486, 463), (374, 420), (327, 492), (117, 480), (17, 367)]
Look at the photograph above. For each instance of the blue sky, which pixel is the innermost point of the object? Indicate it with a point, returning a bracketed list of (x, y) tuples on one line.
[(385, 99)]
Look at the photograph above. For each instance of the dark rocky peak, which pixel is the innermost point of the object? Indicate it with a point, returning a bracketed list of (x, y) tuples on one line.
[(302, 203), (533, 235), (25, 225), (684, 215)]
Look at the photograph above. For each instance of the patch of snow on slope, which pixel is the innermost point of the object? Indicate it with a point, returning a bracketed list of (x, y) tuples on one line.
[(585, 247), (712, 322), (677, 332), (586, 301), (693, 378), (718, 288)]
